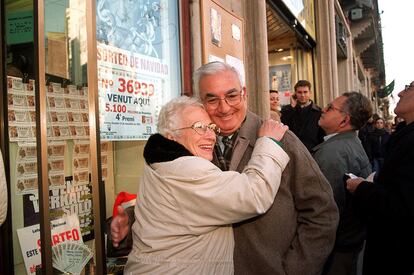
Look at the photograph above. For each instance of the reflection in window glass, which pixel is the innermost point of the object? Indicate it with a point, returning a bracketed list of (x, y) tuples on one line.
[(138, 65), (67, 137)]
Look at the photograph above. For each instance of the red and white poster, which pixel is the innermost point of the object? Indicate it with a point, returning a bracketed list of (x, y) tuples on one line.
[(64, 230), (130, 92), (138, 65)]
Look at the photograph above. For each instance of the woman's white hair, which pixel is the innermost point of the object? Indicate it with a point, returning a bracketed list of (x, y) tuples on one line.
[(170, 116), (213, 68)]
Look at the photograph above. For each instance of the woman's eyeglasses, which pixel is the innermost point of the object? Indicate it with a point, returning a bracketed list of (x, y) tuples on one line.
[(201, 128)]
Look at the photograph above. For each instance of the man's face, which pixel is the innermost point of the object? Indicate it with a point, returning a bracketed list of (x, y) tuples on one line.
[(333, 116), (405, 106), (274, 101), (302, 94), (198, 143), (221, 85)]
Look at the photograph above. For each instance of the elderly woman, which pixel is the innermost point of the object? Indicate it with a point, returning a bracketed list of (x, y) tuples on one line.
[(388, 203), (186, 205)]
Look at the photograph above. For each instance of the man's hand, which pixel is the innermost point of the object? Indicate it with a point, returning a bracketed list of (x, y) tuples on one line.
[(119, 227), (293, 100), (352, 184)]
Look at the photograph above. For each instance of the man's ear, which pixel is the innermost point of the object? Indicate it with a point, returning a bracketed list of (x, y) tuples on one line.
[(244, 91), (346, 120)]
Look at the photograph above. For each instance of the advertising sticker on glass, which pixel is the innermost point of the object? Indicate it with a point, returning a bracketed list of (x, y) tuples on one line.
[(138, 65)]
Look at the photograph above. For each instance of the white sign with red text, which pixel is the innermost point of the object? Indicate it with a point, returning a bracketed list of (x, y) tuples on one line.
[(65, 229), (131, 89)]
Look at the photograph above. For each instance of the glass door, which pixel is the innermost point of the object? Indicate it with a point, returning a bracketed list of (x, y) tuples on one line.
[(21, 122), (53, 150)]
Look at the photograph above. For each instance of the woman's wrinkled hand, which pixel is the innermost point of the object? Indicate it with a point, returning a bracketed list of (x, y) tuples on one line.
[(273, 129)]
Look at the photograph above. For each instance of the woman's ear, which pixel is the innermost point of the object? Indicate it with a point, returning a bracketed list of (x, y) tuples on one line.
[(170, 137)]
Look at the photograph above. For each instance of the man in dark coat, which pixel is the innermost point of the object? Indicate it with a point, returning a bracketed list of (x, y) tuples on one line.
[(302, 116), (375, 144), (388, 203)]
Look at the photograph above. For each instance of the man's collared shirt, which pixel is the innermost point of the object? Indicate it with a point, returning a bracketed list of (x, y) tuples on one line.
[(325, 138)]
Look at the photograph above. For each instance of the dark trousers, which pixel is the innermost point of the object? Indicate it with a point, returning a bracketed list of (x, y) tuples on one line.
[(341, 263)]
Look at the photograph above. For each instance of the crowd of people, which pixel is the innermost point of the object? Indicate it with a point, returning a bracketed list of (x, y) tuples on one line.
[(224, 192)]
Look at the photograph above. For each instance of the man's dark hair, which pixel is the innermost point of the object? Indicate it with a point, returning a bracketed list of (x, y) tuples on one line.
[(303, 83), (273, 91), (358, 107)]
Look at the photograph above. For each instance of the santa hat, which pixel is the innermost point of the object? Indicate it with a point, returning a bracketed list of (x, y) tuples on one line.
[(125, 200)]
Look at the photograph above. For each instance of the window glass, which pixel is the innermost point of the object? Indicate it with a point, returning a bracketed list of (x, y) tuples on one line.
[(68, 160), (138, 65), (138, 69)]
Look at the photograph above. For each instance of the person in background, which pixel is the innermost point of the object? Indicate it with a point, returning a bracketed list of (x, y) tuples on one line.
[(375, 144), (3, 192), (297, 233), (388, 126), (341, 153), (302, 116), (366, 129), (388, 203), (186, 204), (274, 105)]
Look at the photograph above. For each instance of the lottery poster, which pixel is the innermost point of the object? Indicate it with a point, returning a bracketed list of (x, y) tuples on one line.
[(70, 254), (137, 57)]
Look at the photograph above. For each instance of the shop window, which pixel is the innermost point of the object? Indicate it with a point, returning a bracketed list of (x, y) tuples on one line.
[(138, 71), (138, 65)]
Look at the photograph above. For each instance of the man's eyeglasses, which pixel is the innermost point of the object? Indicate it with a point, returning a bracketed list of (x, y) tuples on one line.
[(330, 107), (232, 99), (408, 87), (201, 128)]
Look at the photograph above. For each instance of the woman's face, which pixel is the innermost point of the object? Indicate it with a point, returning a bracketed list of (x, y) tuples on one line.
[(198, 143), (379, 124), (274, 101)]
